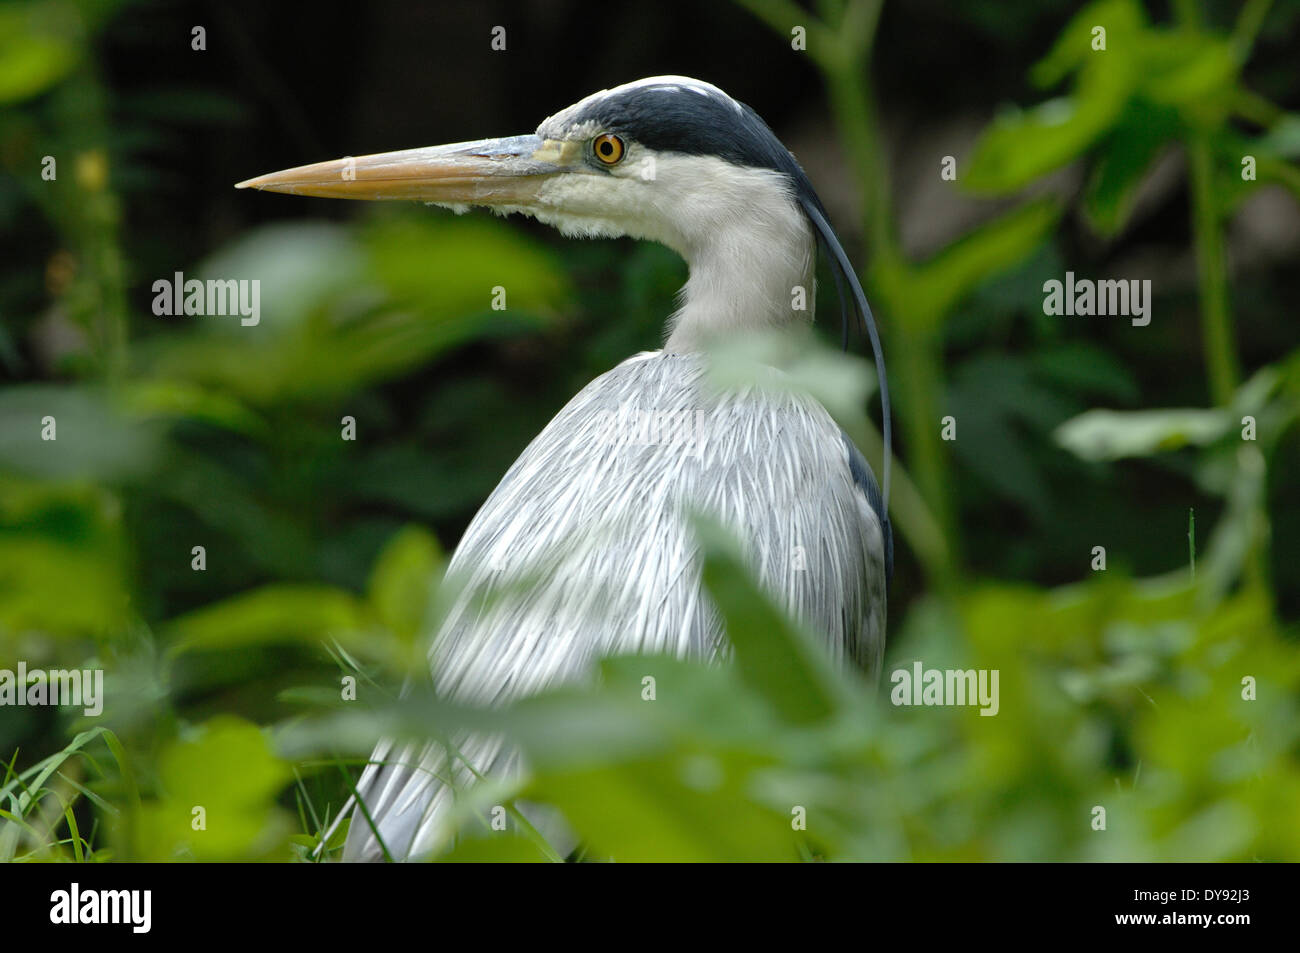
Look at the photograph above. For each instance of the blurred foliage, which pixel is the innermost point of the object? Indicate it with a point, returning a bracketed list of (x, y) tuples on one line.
[(225, 688)]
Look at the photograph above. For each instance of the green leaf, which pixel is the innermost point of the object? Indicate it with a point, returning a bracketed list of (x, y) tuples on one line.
[(303, 268), (677, 773), (280, 612), (91, 439), (934, 288), (32, 59), (227, 770), (502, 848), (1126, 157), (1022, 146), (165, 400), (996, 401), (343, 308), (1185, 68), (404, 580), (63, 561), (1282, 138), (34, 778), (692, 806), (452, 266), (1124, 22), (1112, 434), (1084, 369), (773, 657), (841, 382)]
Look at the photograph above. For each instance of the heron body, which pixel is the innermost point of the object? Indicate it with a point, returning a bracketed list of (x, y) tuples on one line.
[(595, 515)]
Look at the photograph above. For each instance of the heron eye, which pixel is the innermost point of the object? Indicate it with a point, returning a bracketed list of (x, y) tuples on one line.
[(608, 148)]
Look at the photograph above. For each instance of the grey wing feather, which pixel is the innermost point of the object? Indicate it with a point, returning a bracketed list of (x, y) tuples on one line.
[(866, 481), (593, 516)]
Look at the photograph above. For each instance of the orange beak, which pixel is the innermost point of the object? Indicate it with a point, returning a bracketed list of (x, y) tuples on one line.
[(492, 172)]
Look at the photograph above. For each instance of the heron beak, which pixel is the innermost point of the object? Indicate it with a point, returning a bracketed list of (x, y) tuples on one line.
[(492, 172)]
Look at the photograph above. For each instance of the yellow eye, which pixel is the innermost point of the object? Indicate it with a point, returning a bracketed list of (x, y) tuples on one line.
[(608, 148)]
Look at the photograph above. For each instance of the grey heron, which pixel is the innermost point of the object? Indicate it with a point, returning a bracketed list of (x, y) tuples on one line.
[(602, 518)]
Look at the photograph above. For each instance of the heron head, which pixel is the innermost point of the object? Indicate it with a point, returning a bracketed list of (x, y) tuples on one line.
[(670, 159)]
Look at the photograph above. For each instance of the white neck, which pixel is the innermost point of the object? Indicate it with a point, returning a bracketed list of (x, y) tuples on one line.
[(749, 246)]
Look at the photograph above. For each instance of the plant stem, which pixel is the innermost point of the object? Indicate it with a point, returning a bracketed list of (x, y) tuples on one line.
[(1248, 26), (1217, 335), (915, 353), (1253, 107), (919, 360)]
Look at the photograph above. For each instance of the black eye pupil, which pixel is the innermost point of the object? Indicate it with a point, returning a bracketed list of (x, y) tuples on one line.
[(606, 148)]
